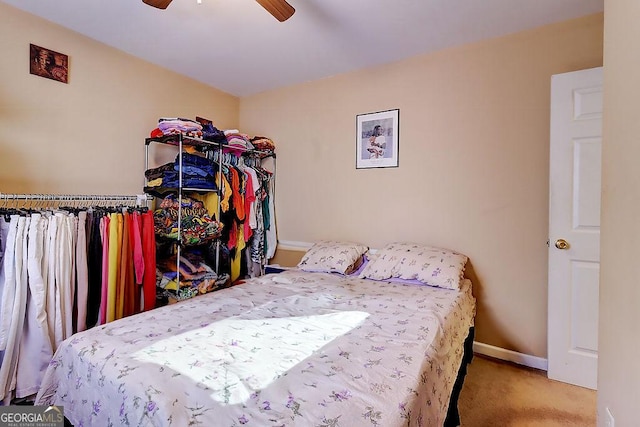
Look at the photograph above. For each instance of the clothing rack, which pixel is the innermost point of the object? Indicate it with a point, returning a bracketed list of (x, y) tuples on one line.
[(79, 261), (139, 199)]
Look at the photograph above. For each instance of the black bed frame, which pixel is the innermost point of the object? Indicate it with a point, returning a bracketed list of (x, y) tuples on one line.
[(453, 416)]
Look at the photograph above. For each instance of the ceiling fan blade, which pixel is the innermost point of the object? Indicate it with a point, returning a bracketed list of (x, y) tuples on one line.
[(160, 4), (280, 9)]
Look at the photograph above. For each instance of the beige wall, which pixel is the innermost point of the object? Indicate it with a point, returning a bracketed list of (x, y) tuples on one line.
[(473, 175), (473, 160), (618, 368), (86, 136), (473, 172), (287, 257)]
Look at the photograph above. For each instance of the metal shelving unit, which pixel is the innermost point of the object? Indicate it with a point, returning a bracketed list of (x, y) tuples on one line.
[(181, 141)]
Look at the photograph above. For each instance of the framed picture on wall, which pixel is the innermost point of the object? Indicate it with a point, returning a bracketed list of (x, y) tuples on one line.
[(48, 63), (377, 139)]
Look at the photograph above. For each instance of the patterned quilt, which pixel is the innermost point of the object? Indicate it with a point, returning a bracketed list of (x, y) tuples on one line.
[(288, 349)]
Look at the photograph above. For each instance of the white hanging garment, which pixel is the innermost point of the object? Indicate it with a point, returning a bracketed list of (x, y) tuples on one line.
[(4, 232), (9, 281), (35, 346), (63, 274), (17, 312), (52, 288)]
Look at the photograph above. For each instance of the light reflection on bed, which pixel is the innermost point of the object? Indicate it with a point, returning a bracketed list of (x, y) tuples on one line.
[(238, 357)]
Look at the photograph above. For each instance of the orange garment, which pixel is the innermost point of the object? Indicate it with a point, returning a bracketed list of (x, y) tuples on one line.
[(226, 192), (236, 197), (233, 235)]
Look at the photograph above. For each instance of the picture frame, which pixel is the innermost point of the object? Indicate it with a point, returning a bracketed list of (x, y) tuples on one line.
[(377, 137), (48, 63)]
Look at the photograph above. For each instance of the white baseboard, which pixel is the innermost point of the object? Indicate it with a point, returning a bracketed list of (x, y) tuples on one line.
[(510, 356), (291, 245)]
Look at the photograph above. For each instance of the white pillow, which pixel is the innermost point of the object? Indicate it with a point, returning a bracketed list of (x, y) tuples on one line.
[(430, 265), (331, 256)]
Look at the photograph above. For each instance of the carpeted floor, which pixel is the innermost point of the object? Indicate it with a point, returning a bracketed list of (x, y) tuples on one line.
[(501, 394)]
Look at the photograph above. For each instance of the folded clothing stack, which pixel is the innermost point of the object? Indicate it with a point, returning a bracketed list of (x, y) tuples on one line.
[(197, 172), (263, 143), (196, 276), (236, 141), (210, 132), (177, 125), (196, 225)]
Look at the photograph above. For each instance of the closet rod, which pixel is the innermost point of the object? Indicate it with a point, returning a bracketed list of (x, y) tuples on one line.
[(139, 198)]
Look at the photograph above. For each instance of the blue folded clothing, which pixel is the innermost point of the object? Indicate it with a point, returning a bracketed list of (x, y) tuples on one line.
[(192, 160), (193, 182), (203, 171)]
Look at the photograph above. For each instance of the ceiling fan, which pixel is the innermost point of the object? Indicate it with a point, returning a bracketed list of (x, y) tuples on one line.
[(280, 9)]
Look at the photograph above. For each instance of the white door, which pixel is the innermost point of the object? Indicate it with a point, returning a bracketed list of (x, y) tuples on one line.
[(574, 226)]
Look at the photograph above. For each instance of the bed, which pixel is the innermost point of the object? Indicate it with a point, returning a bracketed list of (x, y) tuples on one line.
[(297, 348)]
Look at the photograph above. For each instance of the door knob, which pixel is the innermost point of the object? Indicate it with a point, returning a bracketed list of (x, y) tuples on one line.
[(562, 244)]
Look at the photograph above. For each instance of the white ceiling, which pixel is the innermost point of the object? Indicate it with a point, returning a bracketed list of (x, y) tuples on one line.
[(236, 46)]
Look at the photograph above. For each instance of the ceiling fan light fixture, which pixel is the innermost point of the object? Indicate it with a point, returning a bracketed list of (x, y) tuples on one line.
[(159, 4), (280, 9)]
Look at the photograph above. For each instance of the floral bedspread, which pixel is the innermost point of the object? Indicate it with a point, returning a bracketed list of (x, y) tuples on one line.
[(288, 349)]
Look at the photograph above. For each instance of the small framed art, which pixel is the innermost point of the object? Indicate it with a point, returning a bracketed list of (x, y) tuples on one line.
[(377, 139), (48, 63)]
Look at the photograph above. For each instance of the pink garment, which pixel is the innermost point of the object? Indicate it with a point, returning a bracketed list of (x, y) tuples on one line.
[(136, 238), (249, 198), (104, 233)]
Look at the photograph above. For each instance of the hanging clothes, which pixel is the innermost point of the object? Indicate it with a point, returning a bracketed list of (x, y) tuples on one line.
[(249, 218), (149, 254), (36, 350), (82, 274), (52, 272), (14, 301), (105, 226), (94, 265)]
